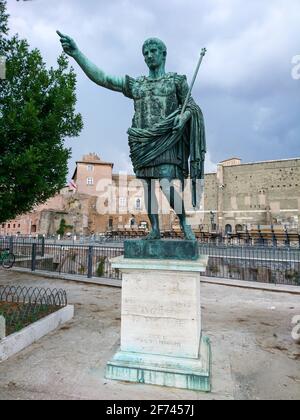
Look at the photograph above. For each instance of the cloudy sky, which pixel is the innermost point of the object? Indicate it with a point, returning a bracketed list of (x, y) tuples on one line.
[(245, 88)]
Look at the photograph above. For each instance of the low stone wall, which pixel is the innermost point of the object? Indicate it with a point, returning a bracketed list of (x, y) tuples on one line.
[(18, 341)]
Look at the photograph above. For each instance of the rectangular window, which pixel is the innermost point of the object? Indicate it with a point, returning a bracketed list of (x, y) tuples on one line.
[(90, 181), (122, 201), (138, 204), (90, 168)]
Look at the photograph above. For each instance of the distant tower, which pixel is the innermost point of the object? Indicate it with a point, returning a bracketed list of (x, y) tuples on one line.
[(90, 170)]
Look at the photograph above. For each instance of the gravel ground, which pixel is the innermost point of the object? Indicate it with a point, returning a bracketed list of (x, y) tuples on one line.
[(254, 356)]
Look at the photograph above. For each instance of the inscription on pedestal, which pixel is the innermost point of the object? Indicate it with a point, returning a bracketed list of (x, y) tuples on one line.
[(161, 314)]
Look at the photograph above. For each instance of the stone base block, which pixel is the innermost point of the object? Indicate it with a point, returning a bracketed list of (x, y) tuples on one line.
[(176, 372)]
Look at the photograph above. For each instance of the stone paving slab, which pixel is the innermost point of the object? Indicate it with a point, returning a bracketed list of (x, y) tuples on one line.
[(254, 356), (281, 288)]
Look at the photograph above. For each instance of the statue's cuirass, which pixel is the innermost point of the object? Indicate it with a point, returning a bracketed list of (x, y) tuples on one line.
[(153, 100)]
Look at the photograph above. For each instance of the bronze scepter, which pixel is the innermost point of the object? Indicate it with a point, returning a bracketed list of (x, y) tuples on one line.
[(203, 52)]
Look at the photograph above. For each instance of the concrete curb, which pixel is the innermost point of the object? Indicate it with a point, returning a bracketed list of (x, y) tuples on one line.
[(101, 281), (243, 284), (18, 341)]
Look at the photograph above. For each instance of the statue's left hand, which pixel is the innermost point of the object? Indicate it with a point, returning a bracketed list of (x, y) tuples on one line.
[(180, 121)]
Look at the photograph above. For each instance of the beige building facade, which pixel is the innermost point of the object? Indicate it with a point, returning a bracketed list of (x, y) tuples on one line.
[(261, 193), (236, 197)]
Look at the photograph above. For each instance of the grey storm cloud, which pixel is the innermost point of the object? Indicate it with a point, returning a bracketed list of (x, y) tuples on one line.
[(245, 88)]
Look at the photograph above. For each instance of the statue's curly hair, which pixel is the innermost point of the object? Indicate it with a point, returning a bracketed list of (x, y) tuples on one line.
[(158, 42)]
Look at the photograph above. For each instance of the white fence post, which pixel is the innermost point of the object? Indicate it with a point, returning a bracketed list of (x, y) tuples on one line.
[(2, 327)]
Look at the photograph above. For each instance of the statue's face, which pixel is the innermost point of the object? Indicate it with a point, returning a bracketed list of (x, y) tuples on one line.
[(154, 56)]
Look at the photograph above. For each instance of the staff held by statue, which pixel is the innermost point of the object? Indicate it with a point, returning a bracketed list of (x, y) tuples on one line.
[(194, 181)]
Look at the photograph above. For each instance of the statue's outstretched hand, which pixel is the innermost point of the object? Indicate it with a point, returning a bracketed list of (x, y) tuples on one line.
[(68, 44)]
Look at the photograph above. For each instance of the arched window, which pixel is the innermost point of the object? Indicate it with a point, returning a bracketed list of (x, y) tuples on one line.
[(228, 229), (239, 228)]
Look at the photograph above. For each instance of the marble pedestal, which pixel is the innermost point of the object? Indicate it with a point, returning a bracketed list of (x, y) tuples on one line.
[(161, 340)]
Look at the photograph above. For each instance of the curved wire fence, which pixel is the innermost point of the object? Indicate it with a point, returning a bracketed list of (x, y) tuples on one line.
[(21, 306)]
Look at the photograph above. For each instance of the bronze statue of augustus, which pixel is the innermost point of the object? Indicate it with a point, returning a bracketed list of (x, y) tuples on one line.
[(166, 143)]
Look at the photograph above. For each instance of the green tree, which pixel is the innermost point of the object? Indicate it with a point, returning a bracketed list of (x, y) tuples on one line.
[(37, 113), (63, 227), (101, 267)]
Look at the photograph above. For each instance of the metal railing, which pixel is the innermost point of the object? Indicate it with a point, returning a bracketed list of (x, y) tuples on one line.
[(259, 264), (20, 244), (90, 261), (277, 265), (21, 306)]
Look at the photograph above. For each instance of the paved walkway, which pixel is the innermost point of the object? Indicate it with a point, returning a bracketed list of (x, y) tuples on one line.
[(254, 356), (103, 281)]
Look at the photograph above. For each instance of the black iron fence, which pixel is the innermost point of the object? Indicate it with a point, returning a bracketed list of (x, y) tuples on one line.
[(20, 244), (277, 265), (259, 264), (90, 261), (21, 306)]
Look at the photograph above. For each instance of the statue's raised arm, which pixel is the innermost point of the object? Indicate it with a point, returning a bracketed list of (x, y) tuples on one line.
[(91, 70)]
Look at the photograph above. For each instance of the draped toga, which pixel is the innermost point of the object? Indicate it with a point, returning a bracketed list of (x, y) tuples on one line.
[(155, 150)]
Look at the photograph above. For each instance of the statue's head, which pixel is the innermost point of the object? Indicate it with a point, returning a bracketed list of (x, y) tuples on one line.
[(155, 52)]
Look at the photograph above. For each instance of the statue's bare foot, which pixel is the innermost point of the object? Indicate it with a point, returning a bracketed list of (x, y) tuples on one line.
[(188, 233), (154, 234)]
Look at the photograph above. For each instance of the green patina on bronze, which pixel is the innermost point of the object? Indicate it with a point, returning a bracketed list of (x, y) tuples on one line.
[(161, 250), (164, 142)]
